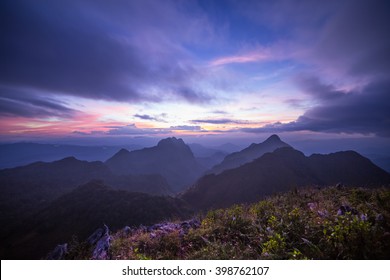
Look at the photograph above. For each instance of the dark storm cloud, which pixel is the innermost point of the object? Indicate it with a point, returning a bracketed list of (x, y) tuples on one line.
[(353, 45), (313, 86), (53, 47), (95, 49), (366, 111), (21, 103), (357, 39)]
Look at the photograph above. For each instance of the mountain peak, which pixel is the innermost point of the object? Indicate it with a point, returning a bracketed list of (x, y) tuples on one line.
[(273, 138), (250, 153), (68, 160), (171, 141), (122, 151)]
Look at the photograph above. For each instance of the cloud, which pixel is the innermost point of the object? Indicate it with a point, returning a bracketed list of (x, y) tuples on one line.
[(312, 86), (219, 112), (244, 58), (129, 51), (221, 121), (347, 79), (295, 103), (366, 111), (194, 96), (187, 127), (145, 117), (132, 129), (25, 103), (355, 41), (93, 132)]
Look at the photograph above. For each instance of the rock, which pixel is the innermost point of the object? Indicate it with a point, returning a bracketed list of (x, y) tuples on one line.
[(187, 225), (94, 237), (323, 214), (312, 206), (127, 230), (363, 217), (59, 252), (346, 209), (101, 250), (379, 217)]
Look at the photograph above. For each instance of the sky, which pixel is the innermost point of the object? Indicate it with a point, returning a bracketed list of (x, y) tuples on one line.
[(108, 70)]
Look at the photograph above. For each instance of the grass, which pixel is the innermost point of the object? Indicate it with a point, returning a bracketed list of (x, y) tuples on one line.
[(302, 224)]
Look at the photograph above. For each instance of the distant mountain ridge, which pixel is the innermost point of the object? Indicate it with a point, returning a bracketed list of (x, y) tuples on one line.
[(171, 158), (18, 154), (248, 154), (281, 171)]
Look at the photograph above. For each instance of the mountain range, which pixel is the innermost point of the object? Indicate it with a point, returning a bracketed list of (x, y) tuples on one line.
[(279, 171), (18, 154), (51, 201)]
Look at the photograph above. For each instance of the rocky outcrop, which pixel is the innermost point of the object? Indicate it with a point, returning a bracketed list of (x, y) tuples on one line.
[(102, 246), (58, 253)]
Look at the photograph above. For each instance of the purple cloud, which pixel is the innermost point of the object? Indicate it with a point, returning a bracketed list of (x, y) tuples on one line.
[(132, 129), (221, 121), (187, 127), (25, 103), (102, 50), (366, 111)]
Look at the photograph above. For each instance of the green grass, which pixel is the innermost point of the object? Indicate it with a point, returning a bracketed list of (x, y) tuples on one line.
[(302, 224)]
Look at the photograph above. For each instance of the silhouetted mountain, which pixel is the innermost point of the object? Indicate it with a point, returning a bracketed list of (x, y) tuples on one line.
[(248, 154), (18, 154), (82, 211), (171, 158), (280, 171), (28, 188)]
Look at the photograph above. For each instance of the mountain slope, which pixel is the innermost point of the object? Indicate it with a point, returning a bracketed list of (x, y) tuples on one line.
[(82, 211), (248, 154), (171, 158), (28, 188), (280, 171)]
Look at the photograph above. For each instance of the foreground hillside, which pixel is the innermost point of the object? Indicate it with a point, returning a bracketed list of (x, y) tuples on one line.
[(312, 223), (80, 212)]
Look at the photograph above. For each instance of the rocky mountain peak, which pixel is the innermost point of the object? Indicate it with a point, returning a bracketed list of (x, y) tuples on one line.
[(273, 139), (171, 142)]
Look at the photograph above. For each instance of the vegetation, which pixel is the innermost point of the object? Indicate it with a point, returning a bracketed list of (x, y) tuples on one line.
[(311, 223)]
